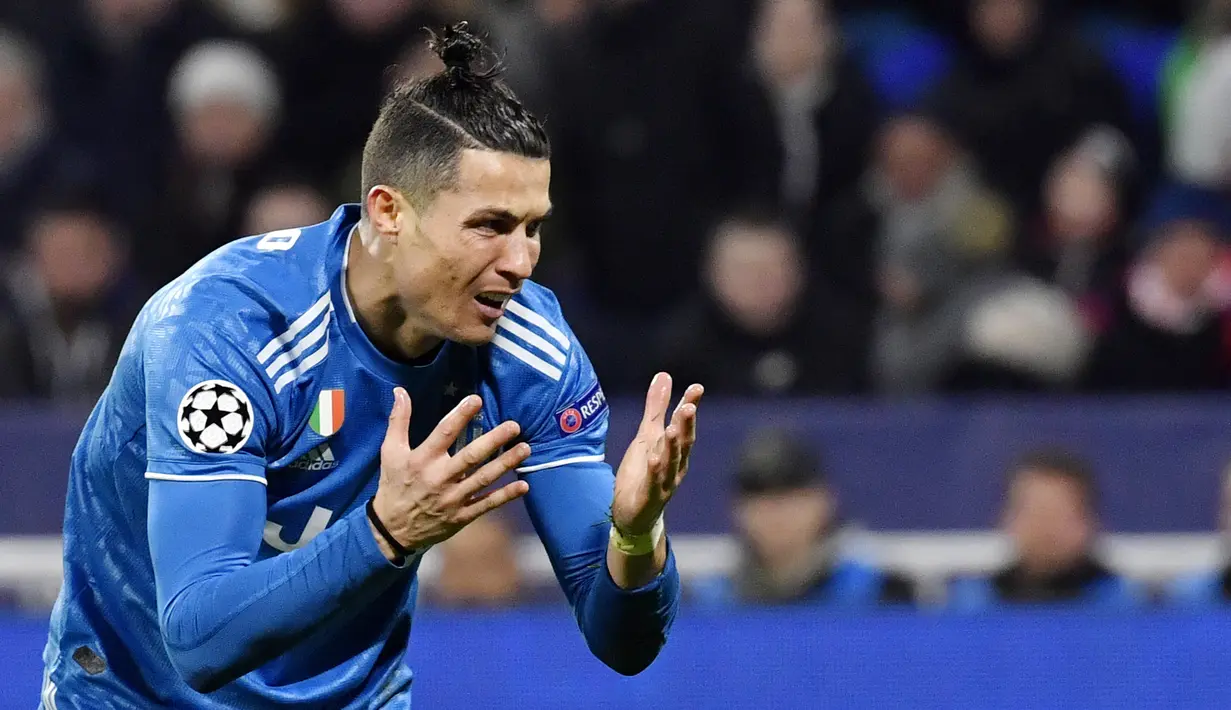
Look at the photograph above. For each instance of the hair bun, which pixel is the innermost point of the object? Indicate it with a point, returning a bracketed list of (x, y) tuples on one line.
[(458, 48)]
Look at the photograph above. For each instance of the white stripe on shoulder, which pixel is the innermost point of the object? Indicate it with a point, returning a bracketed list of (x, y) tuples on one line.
[(49, 692), (204, 479), (297, 326), (521, 311), (527, 357), (308, 341), (302, 366), (593, 458), (532, 338)]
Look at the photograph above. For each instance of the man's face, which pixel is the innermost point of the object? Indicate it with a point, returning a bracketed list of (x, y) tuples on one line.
[(755, 274), (1187, 253), (914, 156), (223, 133), (458, 260), (1081, 201), (75, 254), (783, 527), (791, 39), (1048, 520), (1003, 27)]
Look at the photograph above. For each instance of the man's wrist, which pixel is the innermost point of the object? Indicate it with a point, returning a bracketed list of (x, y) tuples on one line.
[(635, 545), (389, 546)]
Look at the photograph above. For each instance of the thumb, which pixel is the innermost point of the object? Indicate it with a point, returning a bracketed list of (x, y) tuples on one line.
[(398, 434), (656, 401)]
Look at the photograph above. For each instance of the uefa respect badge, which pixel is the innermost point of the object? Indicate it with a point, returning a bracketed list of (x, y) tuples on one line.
[(583, 412)]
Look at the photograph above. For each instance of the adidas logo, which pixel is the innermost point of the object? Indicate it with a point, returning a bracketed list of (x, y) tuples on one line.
[(318, 459)]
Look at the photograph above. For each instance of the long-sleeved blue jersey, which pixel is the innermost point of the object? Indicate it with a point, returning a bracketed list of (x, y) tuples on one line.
[(216, 550)]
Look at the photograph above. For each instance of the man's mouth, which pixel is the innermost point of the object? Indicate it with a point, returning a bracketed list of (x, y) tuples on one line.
[(491, 303)]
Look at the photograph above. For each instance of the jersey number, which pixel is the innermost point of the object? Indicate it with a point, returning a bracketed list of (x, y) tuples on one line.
[(280, 240), (316, 524)]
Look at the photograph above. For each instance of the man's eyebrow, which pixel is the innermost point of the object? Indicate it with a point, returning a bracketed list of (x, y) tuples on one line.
[(503, 214)]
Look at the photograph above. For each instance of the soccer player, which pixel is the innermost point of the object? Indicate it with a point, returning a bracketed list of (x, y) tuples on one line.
[(251, 497)]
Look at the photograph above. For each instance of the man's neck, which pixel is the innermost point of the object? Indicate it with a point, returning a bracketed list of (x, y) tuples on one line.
[(373, 295)]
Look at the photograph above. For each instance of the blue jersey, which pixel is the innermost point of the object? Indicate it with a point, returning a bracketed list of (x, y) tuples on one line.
[(216, 549)]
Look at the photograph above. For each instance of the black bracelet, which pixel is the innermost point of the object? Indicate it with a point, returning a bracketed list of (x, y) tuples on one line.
[(403, 553)]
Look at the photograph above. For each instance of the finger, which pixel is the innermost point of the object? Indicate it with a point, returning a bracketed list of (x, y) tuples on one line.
[(692, 395), (656, 401), (484, 477), (398, 433), (688, 413), (674, 448), (481, 449), (488, 502), (452, 425)]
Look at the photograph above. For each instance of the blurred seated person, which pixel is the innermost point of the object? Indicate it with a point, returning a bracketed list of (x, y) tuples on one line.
[(1050, 518), (1080, 241), (1210, 588), (787, 520), (1169, 330), (759, 327), (478, 567), (804, 125), (66, 302), (1024, 87), (917, 247)]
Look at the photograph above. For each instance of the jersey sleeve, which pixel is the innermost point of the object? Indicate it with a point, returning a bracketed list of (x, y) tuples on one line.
[(211, 414), (552, 389)]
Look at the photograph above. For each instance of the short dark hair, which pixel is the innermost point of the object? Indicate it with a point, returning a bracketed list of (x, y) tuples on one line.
[(425, 124), (1064, 464)]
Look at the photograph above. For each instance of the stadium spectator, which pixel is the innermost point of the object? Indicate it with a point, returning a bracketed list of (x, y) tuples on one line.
[(334, 102), (759, 327), (1198, 100), (1024, 88), (478, 567), (1023, 336), (1080, 241), (641, 163), (28, 151), (786, 514), (807, 119), (284, 205), (66, 303), (227, 104), (939, 238), (1212, 588), (1051, 520), (1170, 328), (110, 61)]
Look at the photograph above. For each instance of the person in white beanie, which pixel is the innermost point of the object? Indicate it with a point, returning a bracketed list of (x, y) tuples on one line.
[(225, 99), (225, 103)]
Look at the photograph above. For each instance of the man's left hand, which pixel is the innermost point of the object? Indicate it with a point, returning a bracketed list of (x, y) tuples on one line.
[(657, 461)]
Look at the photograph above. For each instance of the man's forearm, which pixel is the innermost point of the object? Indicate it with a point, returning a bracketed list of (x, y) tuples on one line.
[(627, 626), (223, 617)]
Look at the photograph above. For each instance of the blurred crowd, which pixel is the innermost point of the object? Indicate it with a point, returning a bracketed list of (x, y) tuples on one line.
[(795, 547), (774, 197)]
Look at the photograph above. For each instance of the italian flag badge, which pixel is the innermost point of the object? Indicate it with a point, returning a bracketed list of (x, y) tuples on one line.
[(330, 410)]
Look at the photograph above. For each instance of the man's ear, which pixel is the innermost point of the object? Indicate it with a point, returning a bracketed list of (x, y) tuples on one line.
[(388, 211)]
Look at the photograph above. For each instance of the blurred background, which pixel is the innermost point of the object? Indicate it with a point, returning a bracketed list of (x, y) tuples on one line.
[(956, 274)]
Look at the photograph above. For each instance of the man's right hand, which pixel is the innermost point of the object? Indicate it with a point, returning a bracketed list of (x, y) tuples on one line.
[(425, 495)]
